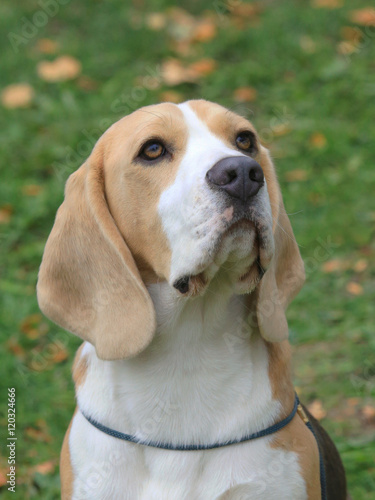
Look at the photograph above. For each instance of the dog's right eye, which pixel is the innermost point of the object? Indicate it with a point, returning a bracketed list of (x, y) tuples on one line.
[(152, 150)]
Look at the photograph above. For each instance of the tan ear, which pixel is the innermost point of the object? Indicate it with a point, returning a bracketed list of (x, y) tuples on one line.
[(88, 281), (282, 280)]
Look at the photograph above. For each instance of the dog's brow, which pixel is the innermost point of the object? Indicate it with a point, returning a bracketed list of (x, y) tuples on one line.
[(162, 117)]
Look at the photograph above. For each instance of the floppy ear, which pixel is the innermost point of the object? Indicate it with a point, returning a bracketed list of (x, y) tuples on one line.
[(285, 276), (88, 281)]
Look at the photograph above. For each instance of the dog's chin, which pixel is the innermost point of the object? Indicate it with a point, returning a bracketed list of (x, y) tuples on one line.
[(236, 262)]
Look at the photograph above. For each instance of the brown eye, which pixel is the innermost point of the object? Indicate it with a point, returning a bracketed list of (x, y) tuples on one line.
[(245, 141), (152, 150)]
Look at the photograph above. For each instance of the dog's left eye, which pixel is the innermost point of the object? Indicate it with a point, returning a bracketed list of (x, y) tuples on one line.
[(152, 150), (246, 141)]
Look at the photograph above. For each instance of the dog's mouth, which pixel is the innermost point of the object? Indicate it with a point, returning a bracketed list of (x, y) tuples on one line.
[(244, 244)]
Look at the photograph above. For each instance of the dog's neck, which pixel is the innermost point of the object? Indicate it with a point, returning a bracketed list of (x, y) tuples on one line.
[(205, 377)]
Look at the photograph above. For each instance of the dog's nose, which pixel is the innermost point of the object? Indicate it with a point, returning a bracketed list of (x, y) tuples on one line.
[(241, 177)]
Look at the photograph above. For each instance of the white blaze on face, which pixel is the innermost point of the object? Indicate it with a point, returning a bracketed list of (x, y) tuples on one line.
[(193, 215)]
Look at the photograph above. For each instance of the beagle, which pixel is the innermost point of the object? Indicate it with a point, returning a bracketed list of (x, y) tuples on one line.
[(173, 258)]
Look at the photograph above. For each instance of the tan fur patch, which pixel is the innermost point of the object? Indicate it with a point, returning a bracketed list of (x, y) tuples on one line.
[(79, 368), (279, 370), (66, 471), (134, 188), (298, 438)]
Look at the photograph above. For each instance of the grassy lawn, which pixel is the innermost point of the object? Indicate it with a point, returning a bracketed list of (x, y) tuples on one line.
[(304, 76)]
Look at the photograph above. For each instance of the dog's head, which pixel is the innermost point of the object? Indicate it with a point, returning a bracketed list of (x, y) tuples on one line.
[(184, 194)]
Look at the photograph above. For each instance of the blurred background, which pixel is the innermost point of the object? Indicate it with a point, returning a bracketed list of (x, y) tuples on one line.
[(303, 72)]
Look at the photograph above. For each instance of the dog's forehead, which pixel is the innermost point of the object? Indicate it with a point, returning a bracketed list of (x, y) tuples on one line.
[(219, 120), (185, 119)]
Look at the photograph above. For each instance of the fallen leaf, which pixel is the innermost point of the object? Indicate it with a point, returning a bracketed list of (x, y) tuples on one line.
[(17, 95), (346, 48), (368, 412), (38, 434), (327, 4), (175, 72), (3, 477), (317, 410), (318, 140), (181, 23), (360, 265), (354, 288), (353, 401), (171, 96), (365, 17), (351, 34), (203, 67), (307, 44), (61, 69), (60, 355), (245, 94), (334, 265), (281, 129), (5, 213), (46, 46), (183, 48), (86, 83), (204, 31), (156, 21), (45, 467), (16, 349), (33, 326), (296, 175), (32, 190), (244, 10)]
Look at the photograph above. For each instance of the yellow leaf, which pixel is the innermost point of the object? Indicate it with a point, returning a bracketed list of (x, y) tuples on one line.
[(281, 129), (174, 72), (346, 48), (32, 189), (318, 140), (244, 10), (45, 467), (296, 175), (317, 410), (360, 265), (86, 83), (327, 4), (37, 434), (354, 288), (204, 31), (60, 355), (171, 96), (365, 17), (156, 21), (307, 44), (46, 46), (5, 213), (15, 348), (61, 69), (245, 94), (33, 326), (353, 401), (368, 412), (203, 67), (17, 95), (351, 34), (3, 477), (334, 265)]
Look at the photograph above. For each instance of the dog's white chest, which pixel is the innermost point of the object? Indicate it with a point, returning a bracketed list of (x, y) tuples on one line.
[(109, 469), (203, 380)]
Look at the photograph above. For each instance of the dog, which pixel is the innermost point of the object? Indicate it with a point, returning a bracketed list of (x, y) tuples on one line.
[(173, 258)]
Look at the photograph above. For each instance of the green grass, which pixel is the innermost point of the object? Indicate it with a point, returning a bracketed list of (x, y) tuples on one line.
[(300, 92)]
